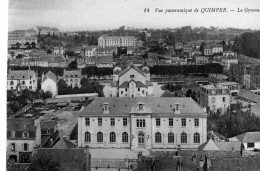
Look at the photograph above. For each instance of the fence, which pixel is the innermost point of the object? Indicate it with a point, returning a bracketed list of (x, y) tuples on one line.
[(113, 163)]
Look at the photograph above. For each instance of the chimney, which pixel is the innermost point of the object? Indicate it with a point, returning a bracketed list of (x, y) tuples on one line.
[(106, 108), (177, 108)]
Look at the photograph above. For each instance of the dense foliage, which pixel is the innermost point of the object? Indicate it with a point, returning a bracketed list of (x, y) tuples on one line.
[(185, 69), (233, 122), (86, 87), (248, 44)]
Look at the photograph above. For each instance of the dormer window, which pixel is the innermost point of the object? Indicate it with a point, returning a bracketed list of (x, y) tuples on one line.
[(13, 134), (177, 108), (25, 134), (106, 108), (140, 106)]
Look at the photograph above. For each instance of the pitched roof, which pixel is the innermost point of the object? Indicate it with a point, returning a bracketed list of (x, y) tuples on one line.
[(248, 95), (124, 84), (123, 106), (228, 146), (208, 146), (249, 137), (140, 84), (63, 143), (48, 124), (104, 60), (167, 94), (20, 74), (70, 158), (50, 75), (20, 125), (128, 68), (72, 72)]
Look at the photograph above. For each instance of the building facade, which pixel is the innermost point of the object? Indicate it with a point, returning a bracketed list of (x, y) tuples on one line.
[(21, 139), (72, 77), (120, 41), (131, 82), (214, 97), (49, 83), (142, 124), (21, 79)]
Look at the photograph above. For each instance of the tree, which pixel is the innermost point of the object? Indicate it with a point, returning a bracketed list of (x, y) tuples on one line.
[(62, 87), (46, 95), (49, 51), (76, 90), (11, 96), (33, 45), (188, 93), (84, 81), (98, 88), (44, 162), (18, 45)]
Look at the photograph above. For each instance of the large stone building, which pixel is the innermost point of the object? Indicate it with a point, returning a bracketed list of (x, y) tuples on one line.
[(120, 41), (142, 124), (214, 97), (22, 41), (131, 82), (21, 79)]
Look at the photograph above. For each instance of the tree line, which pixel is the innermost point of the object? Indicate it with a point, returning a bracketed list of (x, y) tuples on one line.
[(248, 44)]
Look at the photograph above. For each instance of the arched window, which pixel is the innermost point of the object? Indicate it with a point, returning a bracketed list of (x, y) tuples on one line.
[(112, 137), (196, 138), (87, 137), (170, 137), (183, 137), (99, 137), (158, 137), (124, 137)]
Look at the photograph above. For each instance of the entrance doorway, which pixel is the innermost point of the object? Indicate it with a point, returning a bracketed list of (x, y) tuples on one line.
[(141, 140)]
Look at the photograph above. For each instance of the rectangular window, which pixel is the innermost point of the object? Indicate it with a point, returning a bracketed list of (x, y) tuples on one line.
[(143, 91), (183, 122), (138, 89), (30, 87), (26, 147), (30, 82), (124, 121), (99, 121), (140, 123), (224, 99), (158, 121), (125, 89), (121, 92), (87, 121), (23, 82), (250, 145), (196, 122), (170, 121), (12, 146), (112, 121)]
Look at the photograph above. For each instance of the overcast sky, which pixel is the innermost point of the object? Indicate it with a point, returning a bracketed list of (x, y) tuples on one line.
[(76, 15)]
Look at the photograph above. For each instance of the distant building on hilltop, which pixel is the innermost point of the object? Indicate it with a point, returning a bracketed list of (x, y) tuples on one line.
[(120, 41), (44, 30)]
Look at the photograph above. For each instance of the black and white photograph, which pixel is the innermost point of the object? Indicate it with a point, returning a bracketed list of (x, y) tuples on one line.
[(131, 85)]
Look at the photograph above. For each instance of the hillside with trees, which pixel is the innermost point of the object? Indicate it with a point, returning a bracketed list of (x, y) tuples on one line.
[(248, 44)]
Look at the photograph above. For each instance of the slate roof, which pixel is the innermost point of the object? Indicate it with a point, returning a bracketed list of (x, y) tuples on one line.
[(248, 95), (148, 83), (20, 74), (48, 124), (50, 75), (63, 143), (167, 94), (128, 68), (249, 137), (228, 146), (123, 106), (104, 60), (124, 85), (208, 146), (71, 159), (19, 125)]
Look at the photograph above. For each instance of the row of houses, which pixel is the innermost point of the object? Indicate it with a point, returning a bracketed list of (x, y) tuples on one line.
[(18, 80)]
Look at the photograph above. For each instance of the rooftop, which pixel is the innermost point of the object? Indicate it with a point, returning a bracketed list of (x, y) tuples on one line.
[(123, 106), (249, 137), (20, 74)]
